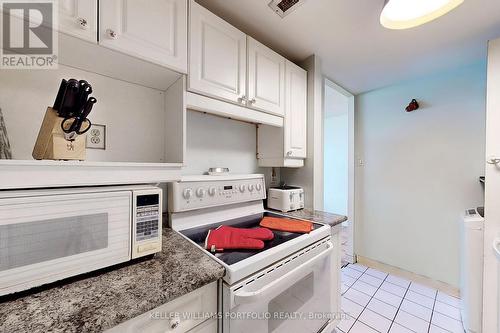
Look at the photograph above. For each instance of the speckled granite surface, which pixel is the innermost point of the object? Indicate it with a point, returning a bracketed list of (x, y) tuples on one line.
[(99, 302), (317, 216)]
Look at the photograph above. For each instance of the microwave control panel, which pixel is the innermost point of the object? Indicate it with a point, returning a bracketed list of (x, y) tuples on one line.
[(147, 223)]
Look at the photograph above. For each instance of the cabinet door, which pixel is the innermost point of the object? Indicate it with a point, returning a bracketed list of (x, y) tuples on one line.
[(154, 30), (174, 316), (295, 111), (217, 56), (266, 78), (79, 18)]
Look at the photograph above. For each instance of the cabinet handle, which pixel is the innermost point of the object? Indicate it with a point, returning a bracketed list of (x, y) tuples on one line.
[(252, 101), (289, 153), (493, 160), (242, 99), (112, 34), (174, 322), (82, 23)]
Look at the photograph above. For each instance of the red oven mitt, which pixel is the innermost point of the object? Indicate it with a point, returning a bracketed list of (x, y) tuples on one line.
[(230, 238)]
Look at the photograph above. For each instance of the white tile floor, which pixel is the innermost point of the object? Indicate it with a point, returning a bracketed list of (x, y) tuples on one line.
[(377, 302)]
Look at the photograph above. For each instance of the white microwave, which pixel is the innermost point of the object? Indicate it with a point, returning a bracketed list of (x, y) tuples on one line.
[(53, 234)]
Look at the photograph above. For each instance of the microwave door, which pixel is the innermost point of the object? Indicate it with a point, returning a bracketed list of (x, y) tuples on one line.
[(298, 300), (48, 238)]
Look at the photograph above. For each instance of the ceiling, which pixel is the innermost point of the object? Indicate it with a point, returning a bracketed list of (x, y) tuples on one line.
[(355, 50)]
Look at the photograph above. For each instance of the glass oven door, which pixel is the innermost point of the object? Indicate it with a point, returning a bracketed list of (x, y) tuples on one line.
[(294, 295)]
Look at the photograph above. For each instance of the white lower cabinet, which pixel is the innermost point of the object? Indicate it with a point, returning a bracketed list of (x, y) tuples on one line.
[(180, 315), (210, 326), (286, 147), (155, 31)]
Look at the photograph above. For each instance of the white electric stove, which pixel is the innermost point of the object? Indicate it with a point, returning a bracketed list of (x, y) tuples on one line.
[(285, 287)]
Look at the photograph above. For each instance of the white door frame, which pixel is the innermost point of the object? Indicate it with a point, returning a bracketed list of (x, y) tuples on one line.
[(491, 292), (350, 255)]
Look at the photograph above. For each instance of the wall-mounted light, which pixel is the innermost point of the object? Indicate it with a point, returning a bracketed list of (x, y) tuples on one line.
[(405, 14)]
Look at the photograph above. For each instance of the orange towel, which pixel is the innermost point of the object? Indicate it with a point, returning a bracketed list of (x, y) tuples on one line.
[(284, 224)]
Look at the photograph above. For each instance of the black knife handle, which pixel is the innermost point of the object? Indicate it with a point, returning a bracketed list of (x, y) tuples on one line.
[(88, 107), (70, 99), (60, 95)]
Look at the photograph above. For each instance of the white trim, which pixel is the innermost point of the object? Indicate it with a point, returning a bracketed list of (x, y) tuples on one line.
[(281, 162), (18, 174), (228, 110), (351, 166), (426, 281)]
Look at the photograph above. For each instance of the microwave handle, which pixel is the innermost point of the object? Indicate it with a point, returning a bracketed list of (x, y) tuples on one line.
[(283, 282)]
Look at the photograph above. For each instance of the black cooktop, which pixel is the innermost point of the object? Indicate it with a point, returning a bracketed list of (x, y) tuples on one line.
[(230, 257)]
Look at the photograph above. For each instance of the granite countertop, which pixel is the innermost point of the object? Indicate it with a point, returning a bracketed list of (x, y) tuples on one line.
[(100, 301), (317, 216)]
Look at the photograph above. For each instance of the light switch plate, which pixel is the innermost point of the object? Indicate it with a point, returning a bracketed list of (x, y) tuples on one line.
[(96, 137)]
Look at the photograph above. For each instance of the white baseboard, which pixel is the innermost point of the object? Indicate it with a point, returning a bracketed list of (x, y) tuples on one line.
[(426, 281)]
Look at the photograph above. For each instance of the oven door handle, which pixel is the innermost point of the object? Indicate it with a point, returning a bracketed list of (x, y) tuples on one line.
[(283, 282)]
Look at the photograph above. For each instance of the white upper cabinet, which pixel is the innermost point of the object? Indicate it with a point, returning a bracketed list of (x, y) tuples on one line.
[(295, 111), (217, 59), (286, 147), (266, 78), (79, 18), (153, 30)]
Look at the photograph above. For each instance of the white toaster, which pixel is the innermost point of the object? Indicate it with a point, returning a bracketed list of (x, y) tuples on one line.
[(285, 198)]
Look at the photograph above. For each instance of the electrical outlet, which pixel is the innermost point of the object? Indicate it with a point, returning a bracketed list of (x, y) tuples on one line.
[(96, 137)]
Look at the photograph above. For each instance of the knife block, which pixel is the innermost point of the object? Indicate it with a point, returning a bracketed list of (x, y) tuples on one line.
[(51, 144)]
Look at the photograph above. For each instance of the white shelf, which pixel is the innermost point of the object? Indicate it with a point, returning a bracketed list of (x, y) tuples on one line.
[(19, 174)]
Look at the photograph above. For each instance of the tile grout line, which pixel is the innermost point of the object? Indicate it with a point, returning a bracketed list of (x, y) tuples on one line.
[(407, 289), (399, 307), (432, 313), (355, 319), (383, 281), (356, 279), (366, 306)]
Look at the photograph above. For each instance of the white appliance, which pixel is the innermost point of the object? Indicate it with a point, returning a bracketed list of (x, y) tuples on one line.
[(471, 270), (263, 290), (496, 251), (49, 235), (285, 198)]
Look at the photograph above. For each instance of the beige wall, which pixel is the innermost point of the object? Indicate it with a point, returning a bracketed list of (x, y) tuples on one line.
[(420, 170)]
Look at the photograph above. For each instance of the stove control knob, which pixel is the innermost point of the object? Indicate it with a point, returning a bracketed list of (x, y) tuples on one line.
[(258, 187), (200, 192), (250, 187), (242, 188), (187, 193), (211, 191)]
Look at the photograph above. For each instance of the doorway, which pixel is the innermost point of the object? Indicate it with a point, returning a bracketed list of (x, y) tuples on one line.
[(338, 161)]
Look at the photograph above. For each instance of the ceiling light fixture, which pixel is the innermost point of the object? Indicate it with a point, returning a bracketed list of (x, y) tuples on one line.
[(405, 14)]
